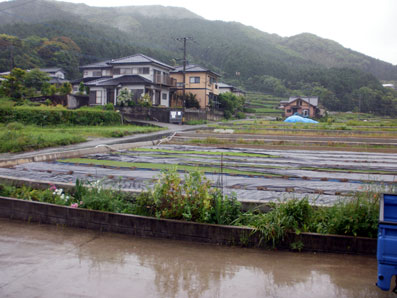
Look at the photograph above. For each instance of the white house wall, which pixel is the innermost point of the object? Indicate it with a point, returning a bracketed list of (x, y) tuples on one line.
[(165, 102), (104, 95)]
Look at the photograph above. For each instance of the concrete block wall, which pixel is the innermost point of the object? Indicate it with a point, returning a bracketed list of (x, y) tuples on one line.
[(173, 229)]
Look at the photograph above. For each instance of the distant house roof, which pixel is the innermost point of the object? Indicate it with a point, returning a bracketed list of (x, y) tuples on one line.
[(87, 79), (51, 69), (134, 59), (138, 59), (55, 80), (101, 64), (224, 85), (310, 100), (124, 80), (232, 88), (388, 85), (194, 68)]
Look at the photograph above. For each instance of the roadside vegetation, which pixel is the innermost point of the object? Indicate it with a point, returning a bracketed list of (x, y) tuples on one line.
[(26, 126), (193, 199)]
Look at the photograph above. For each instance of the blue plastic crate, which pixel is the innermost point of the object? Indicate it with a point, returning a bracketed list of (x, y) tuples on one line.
[(387, 241), (388, 208)]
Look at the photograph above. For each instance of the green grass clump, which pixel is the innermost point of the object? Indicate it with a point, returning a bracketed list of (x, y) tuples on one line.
[(357, 216), (159, 166), (14, 139), (217, 153)]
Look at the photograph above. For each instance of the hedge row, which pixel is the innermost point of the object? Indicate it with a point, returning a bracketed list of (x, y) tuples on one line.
[(53, 116)]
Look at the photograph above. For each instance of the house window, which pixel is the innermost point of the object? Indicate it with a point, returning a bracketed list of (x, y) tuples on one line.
[(305, 112), (164, 96), (99, 95), (97, 73), (212, 80), (85, 73), (288, 111), (125, 71), (194, 80), (143, 70), (116, 71), (179, 84)]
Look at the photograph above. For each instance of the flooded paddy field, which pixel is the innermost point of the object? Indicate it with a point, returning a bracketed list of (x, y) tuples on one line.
[(254, 174), (55, 261)]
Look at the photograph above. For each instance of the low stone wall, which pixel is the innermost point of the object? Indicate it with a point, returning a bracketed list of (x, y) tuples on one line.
[(163, 114), (75, 101), (193, 114), (55, 99), (173, 229)]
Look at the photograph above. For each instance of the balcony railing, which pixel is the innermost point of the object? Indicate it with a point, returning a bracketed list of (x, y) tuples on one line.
[(164, 80)]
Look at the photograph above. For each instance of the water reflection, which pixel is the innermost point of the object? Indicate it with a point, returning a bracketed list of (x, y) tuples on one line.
[(180, 269)]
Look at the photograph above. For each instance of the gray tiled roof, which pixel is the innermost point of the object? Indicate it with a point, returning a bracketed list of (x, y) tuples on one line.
[(311, 100), (138, 59), (133, 59), (87, 79), (101, 64), (51, 69), (224, 85), (124, 80), (193, 68)]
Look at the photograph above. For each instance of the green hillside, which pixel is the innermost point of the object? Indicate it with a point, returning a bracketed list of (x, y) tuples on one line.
[(46, 33)]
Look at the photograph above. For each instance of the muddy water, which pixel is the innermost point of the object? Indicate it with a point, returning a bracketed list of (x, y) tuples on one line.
[(48, 261)]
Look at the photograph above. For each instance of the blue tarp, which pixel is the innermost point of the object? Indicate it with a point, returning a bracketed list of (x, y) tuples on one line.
[(299, 119)]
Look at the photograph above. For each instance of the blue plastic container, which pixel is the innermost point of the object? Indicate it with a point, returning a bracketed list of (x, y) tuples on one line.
[(387, 241)]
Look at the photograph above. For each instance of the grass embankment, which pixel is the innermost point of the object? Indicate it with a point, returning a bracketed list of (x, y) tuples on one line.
[(262, 104), (16, 137), (26, 126)]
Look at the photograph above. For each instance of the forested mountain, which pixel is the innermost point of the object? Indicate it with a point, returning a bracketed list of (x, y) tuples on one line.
[(45, 33)]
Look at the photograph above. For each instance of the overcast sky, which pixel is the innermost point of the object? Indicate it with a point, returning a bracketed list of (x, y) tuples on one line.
[(366, 26)]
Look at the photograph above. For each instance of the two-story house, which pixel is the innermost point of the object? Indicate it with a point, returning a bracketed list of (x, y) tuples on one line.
[(138, 73), (199, 81), (305, 106)]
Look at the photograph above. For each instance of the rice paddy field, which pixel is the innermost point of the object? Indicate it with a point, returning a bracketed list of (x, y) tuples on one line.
[(254, 174)]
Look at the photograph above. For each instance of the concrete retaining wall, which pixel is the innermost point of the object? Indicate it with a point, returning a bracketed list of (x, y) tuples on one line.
[(163, 114), (172, 229)]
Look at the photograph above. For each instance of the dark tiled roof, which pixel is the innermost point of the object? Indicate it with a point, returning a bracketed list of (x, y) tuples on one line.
[(193, 68), (88, 79), (123, 80), (101, 64)]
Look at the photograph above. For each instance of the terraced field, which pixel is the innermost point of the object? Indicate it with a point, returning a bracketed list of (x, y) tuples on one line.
[(254, 174)]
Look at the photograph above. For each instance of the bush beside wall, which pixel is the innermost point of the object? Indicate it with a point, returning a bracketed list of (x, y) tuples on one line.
[(53, 116)]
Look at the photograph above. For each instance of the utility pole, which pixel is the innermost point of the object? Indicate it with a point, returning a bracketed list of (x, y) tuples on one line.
[(12, 57), (184, 39)]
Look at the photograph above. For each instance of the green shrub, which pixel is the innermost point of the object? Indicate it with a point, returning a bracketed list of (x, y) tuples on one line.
[(192, 200), (240, 115), (227, 114), (14, 126), (108, 107), (57, 115)]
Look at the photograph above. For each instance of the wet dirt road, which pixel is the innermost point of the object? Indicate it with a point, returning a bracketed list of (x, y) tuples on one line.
[(49, 261)]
